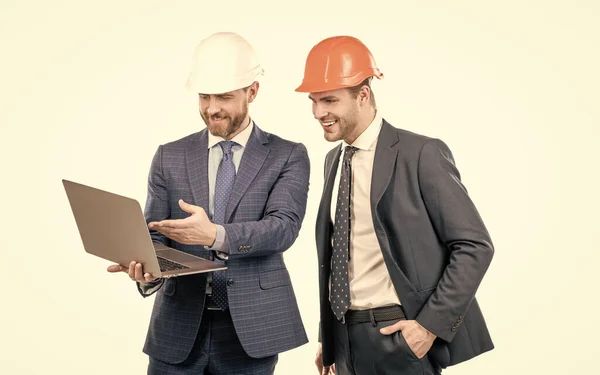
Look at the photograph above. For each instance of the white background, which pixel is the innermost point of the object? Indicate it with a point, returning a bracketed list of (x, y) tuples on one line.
[(88, 90)]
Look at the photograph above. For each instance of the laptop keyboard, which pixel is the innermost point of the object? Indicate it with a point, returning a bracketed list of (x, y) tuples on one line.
[(169, 265)]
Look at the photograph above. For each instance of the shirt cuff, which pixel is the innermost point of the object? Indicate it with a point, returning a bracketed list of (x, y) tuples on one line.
[(220, 238), (220, 247), (223, 253), (147, 288)]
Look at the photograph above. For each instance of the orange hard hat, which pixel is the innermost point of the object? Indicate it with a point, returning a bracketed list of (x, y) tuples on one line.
[(338, 62)]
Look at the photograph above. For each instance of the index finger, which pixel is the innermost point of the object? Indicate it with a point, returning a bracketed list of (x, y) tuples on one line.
[(117, 268), (177, 223), (398, 326)]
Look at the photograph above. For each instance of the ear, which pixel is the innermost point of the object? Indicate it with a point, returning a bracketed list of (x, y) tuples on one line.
[(364, 94), (253, 91)]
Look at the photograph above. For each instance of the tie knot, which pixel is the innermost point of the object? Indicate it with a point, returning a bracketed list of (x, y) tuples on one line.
[(226, 146), (349, 152)]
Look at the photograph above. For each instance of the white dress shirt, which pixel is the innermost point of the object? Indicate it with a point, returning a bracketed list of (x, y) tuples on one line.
[(370, 283)]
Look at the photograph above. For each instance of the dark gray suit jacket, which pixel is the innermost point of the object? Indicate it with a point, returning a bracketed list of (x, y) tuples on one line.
[(434, 243), (263, 218)]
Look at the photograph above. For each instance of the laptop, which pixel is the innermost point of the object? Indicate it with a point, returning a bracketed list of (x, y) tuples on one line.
[(113, 227)]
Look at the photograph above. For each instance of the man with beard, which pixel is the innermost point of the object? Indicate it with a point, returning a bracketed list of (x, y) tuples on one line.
[(401, 246), (236, 194)]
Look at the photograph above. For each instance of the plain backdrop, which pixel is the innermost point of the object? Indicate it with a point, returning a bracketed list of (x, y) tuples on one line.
[(89, 89)]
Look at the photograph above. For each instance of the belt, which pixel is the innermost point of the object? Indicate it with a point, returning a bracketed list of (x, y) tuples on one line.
[(378, 314)]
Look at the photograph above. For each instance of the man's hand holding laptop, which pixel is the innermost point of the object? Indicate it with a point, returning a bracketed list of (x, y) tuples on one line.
[(196, 229), (135, 271)]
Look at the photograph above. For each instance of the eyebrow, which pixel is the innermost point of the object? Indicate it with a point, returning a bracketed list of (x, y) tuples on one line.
[(330, 97), (227, 95)]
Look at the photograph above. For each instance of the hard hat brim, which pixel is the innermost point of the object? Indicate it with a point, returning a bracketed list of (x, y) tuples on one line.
[(212, 86), (307, 86)]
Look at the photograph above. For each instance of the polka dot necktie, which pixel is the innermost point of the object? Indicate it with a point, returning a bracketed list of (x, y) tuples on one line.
[(340, 291), (223, 186)]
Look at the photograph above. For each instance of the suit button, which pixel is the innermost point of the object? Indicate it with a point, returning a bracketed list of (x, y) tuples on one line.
[(454, 328), (230, 282)]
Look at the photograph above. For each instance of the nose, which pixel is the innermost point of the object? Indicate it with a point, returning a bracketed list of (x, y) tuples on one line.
[(213, 107), (318, 111)]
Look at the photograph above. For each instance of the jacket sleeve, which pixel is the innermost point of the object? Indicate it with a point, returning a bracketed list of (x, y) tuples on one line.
[(284, 213), (460, 228), (157, 209)]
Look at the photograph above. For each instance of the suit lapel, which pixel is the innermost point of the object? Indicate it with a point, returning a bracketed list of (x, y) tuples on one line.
[(324, 213), (252, 161), (331, 171), (386, 155), (196, 158), (385, 160)]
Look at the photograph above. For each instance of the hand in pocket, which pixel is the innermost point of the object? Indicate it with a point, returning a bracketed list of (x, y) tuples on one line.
[(419, 339)]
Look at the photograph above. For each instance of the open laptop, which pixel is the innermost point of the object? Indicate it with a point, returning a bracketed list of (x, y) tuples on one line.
[(113, 227)]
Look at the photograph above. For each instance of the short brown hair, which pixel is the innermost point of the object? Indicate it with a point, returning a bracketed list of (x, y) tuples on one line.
[(354, 90)]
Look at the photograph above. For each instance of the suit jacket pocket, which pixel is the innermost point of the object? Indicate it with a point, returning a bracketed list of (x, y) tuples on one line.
[(439, 350), (274, 278), (440, 353)]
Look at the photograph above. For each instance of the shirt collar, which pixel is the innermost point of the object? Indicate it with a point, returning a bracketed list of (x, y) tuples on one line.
[(368, 138), (241, 138)]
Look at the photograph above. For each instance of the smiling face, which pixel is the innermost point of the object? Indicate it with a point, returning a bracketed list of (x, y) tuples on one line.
[(338, 113), (226, 114), (343, 113)]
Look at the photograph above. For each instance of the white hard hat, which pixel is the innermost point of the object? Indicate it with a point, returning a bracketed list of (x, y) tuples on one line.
[(223, 62)]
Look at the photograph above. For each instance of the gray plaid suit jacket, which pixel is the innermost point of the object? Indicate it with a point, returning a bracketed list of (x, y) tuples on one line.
[(263, 218)]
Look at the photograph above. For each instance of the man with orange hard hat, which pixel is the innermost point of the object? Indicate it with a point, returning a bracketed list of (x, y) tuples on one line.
[(402, 248), (237, 194)]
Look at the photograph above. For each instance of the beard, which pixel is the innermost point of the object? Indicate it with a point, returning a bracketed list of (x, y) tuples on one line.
[(228, 125), (345, 125)]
